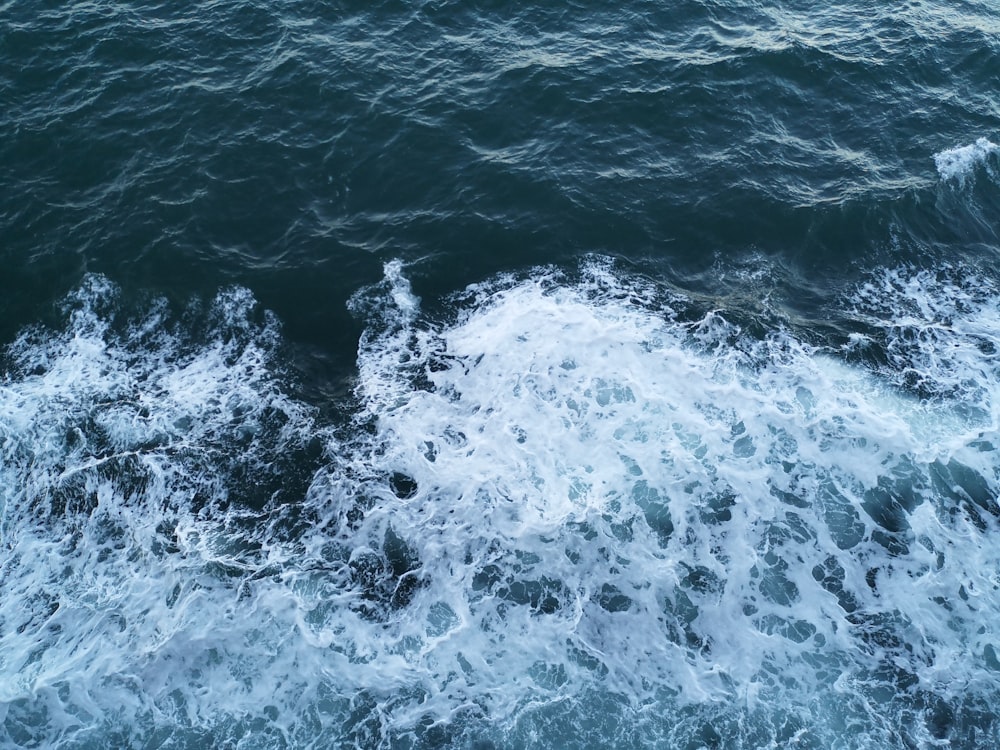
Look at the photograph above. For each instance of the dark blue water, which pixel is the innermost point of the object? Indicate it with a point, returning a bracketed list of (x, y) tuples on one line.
[(461, 375)]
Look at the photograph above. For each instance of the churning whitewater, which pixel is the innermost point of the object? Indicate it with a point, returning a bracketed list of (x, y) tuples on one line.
[(449, 375), (575, 506)]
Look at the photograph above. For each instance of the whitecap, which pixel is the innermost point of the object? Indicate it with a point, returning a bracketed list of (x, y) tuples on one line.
[(574, 496), (959, 163)]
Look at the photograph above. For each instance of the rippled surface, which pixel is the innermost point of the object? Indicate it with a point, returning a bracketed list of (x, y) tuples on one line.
[(457, 375)]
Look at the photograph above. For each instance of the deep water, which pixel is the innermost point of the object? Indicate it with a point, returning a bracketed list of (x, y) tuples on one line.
[(463, 375)]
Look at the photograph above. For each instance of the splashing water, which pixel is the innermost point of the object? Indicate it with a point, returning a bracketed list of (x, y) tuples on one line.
[(959, 163), (575, 515)]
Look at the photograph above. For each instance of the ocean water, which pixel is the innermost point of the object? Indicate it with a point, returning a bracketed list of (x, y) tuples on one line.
[(470, 375)]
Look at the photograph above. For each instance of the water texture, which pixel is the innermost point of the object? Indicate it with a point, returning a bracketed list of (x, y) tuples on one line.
[(457, 375)]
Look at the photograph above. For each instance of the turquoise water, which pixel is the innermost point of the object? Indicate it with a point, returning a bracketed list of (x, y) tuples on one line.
[(456, 375)]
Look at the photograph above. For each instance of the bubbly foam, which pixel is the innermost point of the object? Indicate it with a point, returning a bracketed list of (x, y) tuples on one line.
[(665, 508), (132, 454), (573, 515), (959, 163)]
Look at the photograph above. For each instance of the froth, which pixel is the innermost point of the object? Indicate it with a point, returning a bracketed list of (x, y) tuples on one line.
[(960, 162), (134, 453), (573, 514), (606, 499)]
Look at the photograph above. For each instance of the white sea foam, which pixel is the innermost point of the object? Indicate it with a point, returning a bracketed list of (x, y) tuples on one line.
[(121, 456), (959, 163), (602, 493), (575, 515)]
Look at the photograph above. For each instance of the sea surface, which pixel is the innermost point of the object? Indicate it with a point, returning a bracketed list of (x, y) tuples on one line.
[(481, 375)]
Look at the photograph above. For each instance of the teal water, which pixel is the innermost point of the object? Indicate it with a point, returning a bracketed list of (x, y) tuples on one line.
[(457, 375)]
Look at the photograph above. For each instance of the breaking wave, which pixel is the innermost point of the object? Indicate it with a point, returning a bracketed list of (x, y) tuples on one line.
[(572, 512), (959, 163)]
